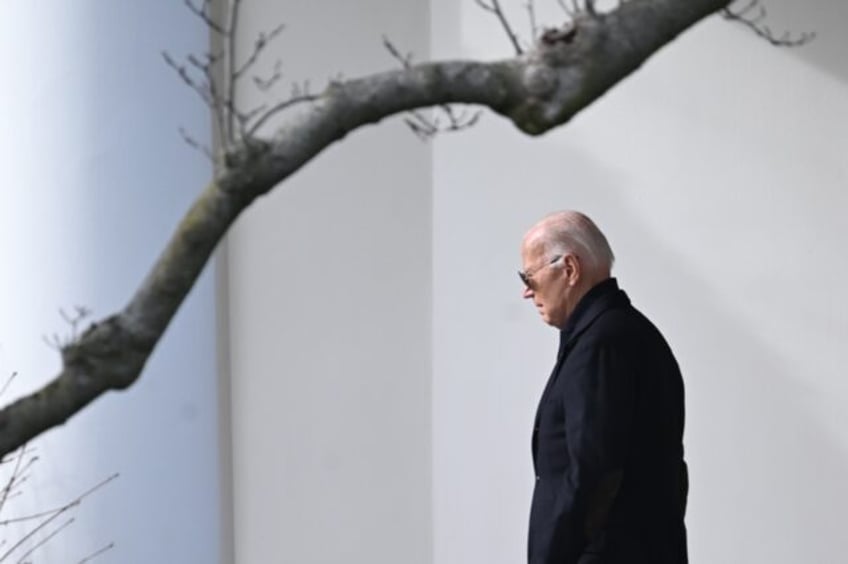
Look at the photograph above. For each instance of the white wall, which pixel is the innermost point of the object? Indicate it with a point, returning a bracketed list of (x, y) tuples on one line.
[(718, 172), (329, 281), (385, 371), (94, 179)]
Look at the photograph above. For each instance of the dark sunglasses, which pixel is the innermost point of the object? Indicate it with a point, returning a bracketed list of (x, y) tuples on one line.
[(526, 276)]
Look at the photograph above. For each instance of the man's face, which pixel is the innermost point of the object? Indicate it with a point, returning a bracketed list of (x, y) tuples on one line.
[(547, 283)]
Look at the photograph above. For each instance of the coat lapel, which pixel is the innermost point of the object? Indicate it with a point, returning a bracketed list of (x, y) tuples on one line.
[(599, 299)]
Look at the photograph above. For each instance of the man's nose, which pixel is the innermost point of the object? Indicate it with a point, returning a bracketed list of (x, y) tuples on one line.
[(528, 293)]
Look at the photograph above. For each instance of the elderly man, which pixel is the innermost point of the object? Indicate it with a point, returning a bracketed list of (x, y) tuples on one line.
[(611, 483)]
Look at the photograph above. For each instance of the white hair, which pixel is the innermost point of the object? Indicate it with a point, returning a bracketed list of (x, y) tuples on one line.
[(571, 232)]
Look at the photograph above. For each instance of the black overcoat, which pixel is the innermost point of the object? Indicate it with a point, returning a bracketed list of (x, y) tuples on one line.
[(611, 483)]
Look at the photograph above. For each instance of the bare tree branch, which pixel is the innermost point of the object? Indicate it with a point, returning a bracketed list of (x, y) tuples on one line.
[(45, 540), (232, 25), (194, 144), (753, 22), (495, 8), (182, 72), (461, 120), (258, 46), (265, 84), (531, 15), (566, 8), (233, 125), (538, 91), (50, 512), (21, 452), (404, 60), (203, 14), (97, 553), (49, 517), (284, 105), (5, 387), (422, 126), (54, 341), (218, 104), (19, 475), (4, 495), (80, 314)]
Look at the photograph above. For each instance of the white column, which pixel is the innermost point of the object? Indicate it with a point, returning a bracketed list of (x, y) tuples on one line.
[(95, 177)]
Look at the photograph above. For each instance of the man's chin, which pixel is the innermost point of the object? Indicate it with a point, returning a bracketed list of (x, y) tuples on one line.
[(555, 323)]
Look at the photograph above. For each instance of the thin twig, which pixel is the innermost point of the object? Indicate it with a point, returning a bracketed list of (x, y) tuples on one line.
[(265, 84), (4, 495), (44, 541), (258, 46), (404, 60), (425, 127), (79, 315), (751, 5), (29, 535), (182, 72), (753, 23), (218, 110), (254, 112), (94, 555), (207, 68), (565, 8), (203, 14), (531, 14), (58, 510), (463, 123), (6, 385), (58, 343), (18, 453), (495, 8), (207, 91), (232, 24), (194, 144)]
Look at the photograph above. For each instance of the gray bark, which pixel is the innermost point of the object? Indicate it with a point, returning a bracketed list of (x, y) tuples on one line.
[(541, 89)]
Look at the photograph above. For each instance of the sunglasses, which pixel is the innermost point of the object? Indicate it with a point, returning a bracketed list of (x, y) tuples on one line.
[(526, 276)]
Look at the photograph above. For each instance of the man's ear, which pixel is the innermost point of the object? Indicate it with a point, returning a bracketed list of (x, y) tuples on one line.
[(572, 269)]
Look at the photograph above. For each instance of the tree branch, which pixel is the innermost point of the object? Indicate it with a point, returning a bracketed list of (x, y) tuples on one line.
[(203, 14), (97, 553), (423, 126), (258, 46), (45, 540), (232, 25), (495, 8), (48, 517), (753, 22), (281, 106), (542, 89), (531, 15), (265, 84)]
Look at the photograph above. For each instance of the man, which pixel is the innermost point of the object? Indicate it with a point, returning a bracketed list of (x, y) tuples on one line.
[(611, 483)]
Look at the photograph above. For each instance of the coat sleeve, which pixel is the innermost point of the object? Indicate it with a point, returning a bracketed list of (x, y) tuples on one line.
[(599, 397)]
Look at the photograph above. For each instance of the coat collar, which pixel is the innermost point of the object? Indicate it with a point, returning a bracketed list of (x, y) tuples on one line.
[(600, 298)]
